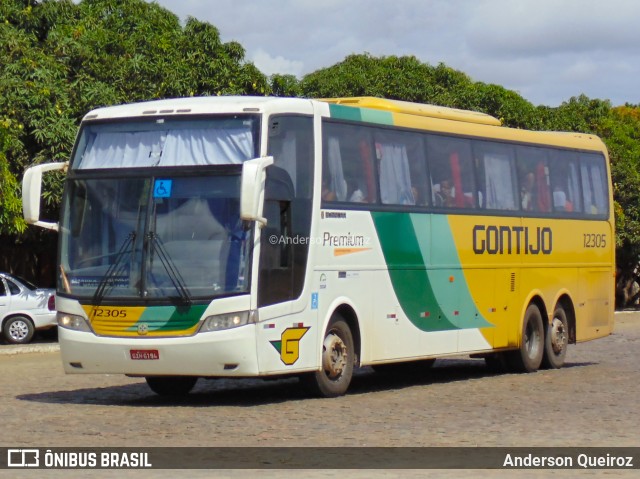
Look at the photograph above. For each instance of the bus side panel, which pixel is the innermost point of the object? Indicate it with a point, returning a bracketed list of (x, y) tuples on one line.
[(596, 307)]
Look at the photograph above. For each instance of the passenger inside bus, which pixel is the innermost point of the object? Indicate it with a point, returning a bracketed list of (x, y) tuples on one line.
[(444, 193), (560, 202), (527, 191), (355, 192), (327, 193)]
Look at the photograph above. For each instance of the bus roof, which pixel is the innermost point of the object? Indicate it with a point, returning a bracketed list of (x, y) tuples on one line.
[(463, 122), (390, 112), (198, 105), (419, 109)]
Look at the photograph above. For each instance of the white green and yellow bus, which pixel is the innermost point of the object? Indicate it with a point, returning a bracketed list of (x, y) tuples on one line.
[(266, 237)]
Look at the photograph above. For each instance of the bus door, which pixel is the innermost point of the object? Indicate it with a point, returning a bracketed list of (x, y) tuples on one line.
[(286, 333)]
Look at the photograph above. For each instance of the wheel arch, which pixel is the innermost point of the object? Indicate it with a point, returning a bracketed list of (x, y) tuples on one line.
[(17, 314), (536, 299)]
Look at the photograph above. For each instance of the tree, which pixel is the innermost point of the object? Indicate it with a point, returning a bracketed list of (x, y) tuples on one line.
[(59, 60)]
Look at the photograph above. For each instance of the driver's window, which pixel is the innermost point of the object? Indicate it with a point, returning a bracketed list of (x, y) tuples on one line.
[(287, 207)]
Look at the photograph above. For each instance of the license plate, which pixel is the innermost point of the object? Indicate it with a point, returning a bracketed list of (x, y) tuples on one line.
[(144, 354)]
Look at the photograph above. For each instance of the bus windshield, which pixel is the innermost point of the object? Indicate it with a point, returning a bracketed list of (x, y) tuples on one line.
[(154, 237), (151, 210)]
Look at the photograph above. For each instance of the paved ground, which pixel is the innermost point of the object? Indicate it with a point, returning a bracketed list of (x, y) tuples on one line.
[(592, 401)]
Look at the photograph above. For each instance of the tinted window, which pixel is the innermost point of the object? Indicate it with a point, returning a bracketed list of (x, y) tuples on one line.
[(594, 184), (348, 168), (533, 179), (413, 168), (287, 207), (452, 172), (496, 174), (13, 287), (564, 178), (401, 168)]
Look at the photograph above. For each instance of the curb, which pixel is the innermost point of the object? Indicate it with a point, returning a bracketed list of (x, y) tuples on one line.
[(13, 349)]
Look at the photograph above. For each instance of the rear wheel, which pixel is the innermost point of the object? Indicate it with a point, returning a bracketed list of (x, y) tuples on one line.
[(338, 361), (171, 385), (528, 358), (556, 340), (18, 330)]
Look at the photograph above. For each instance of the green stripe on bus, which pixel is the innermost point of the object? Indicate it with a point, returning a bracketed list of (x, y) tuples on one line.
[(428, 297), (351, 113), (171, 318)]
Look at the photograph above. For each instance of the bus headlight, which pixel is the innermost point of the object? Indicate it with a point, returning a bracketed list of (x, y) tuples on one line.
[(219, 322), (71, 321)]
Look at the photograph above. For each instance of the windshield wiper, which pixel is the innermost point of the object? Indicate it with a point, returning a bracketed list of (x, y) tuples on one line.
[(169, 266), (116, 268)]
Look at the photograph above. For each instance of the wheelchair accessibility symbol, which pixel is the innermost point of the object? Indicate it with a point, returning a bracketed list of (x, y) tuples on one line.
[(162, 188)]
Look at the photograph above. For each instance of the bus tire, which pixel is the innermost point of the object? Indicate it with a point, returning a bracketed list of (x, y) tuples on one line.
[(338, 361), (556, 340), (171, 385), (528, 357)]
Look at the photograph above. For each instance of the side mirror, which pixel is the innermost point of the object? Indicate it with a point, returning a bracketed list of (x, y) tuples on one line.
[(252, 189), (31, 189)]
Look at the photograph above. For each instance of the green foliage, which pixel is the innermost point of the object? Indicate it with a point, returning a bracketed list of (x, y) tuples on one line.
[(59, 60), (285, 86), (10, 203)]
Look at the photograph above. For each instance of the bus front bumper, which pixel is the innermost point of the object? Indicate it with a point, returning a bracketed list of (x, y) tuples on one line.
[(214, 354)]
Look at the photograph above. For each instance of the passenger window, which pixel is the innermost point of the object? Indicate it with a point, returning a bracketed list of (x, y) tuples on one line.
[(565, 182), (533, 179), (401, 168), (348, 171), (594, 184), (3, 291), (452, 172), (496, 173)]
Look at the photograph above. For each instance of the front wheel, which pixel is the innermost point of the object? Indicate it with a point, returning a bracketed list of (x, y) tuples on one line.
[(171, 385), (338, 360), (528, 358), (18, 330), (557, 340)]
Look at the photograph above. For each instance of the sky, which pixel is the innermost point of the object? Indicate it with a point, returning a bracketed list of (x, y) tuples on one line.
[(546, 50)]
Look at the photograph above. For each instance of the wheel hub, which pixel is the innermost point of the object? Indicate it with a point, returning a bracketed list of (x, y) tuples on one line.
[(558, 335), (18, 331), (334, 356)]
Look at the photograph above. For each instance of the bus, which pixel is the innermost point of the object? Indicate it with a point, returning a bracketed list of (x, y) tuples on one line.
[(268, 237)]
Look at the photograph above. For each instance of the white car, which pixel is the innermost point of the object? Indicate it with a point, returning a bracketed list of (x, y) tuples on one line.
[(24, 308)]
